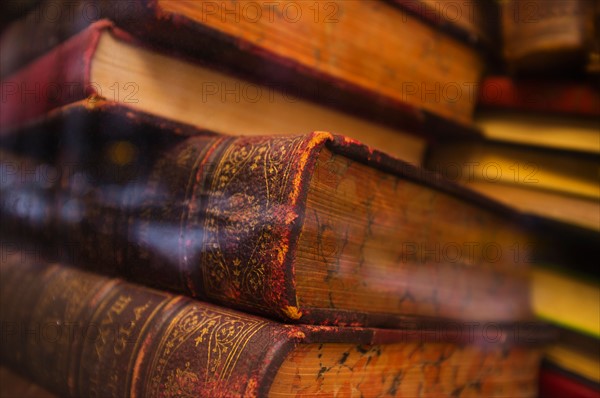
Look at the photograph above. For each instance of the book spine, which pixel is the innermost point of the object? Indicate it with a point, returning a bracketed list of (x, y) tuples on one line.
[(81, 334), (191, 222), (540, 35), (57, 78), (53, 22), (251, 41), (407, 108), (233, 240), (470, 22), (539, 96), (557, 384)]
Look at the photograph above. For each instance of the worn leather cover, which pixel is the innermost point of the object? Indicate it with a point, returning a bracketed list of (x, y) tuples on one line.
[(475, 23), (213, 216), (57, 78), (82, 334), (548, 35), (180, 36), (93, 336)]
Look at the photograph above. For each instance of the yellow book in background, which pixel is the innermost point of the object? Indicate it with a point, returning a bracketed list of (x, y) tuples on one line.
[(566, 300), (582, 361), (542, 130), (556, 184), (533, 168)]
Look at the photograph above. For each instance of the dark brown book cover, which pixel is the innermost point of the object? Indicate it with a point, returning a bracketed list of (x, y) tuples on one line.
[(103, 61), (475, 22), (548, 35), (81, 334), (225, 219), (312, 53)]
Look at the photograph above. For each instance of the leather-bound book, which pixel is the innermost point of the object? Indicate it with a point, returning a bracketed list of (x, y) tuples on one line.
[(548, 35), (541, 146), (475, 22), (348, 53), (557, 384), (313, 228), (106, 62), (541, 96), (81, 334), (525, 177), (571, 366)]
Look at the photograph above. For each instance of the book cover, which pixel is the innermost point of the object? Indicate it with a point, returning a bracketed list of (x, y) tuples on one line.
[(311, 228), (541, 96), (557, 384), (261, 40), (105, 62), (81, 334), (548, 35)]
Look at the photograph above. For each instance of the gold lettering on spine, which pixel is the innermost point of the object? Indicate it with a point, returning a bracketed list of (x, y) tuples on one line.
[(97, 383), (108, 320), (123, 321), (60, 305), (137, 356), (125, 332)]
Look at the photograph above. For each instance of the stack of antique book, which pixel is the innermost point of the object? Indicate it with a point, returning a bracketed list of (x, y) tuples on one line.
[(223, 198), (541, 154)]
